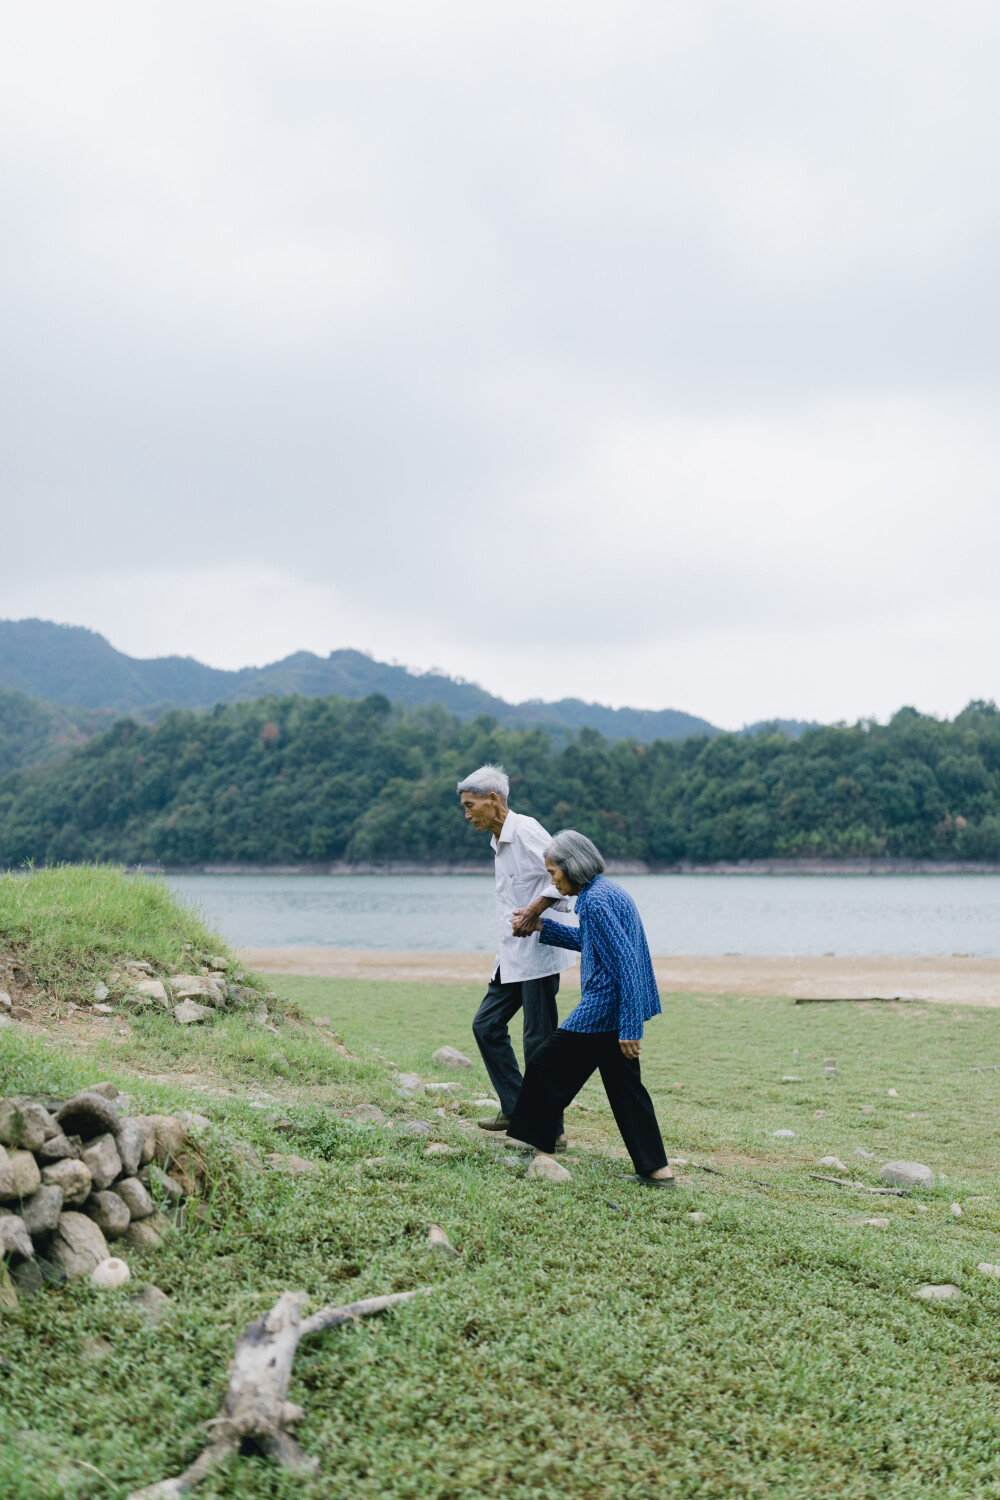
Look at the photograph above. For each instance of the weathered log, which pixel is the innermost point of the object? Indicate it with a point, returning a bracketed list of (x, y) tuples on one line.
[(255, 1408), (863, 1187)]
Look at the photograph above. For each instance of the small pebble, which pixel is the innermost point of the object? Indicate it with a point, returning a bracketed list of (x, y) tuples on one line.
[(832, 1161), (891, 1094), (921, 1208), (988, 1268), (784, 1135), (697, 1218), (864, 1155), (875, 1223), (438, 1148), (956, 1209), (791, 1078), (867, 1109), (818, 1114), (942, 1293)]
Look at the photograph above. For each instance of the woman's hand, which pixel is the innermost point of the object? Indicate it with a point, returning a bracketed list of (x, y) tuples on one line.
[(630, 1049), (527, 919)]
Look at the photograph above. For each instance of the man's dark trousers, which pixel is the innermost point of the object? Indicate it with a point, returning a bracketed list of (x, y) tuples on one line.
[(557, 1073), (537, 998)]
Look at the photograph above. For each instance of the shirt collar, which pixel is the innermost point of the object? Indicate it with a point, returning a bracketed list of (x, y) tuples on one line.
[(506, 832)]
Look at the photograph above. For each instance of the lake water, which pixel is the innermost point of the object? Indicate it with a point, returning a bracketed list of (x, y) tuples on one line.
[(702, 914)]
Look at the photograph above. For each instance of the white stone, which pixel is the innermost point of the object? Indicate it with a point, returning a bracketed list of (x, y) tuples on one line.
[(5, 1000), (697, 1217), (410, 1085), (102, 1159), (548, 1170), (110, 1273), (956, 1209), (322, 1021), (101, 991), (784, 1135), (72, 1176), (892, 1094), (937, 1293), (438, 1148), (14, 1237), (875, 1223), (988, 1268), (485, 1103), (864, 1155), (791, 1078), (832, 1161), (103, 1010), (907, 1174)]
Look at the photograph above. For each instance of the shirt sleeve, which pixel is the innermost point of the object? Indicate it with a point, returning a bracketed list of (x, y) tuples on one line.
[(618, 957), (559, 935), (559, 902), (535, 841)]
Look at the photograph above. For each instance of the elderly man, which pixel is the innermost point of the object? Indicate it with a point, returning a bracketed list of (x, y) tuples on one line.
[(525, 974)]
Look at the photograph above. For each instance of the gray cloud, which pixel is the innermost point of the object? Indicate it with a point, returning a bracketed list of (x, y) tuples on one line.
[(446, 314)]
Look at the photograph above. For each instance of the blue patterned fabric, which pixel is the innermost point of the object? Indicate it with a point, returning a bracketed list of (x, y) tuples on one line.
[(616, 972)]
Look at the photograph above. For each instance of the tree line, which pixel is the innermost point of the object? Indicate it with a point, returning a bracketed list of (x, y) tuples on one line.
[(298, 780)]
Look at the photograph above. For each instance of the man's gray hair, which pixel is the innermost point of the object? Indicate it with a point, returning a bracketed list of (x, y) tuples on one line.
[(487, 779), (576, 856)]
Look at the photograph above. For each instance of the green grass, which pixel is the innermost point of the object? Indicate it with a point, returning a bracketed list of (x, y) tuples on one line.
[(590, 1341), (70, 923)]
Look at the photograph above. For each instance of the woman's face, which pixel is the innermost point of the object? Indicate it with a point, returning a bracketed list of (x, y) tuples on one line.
[(562, 882)]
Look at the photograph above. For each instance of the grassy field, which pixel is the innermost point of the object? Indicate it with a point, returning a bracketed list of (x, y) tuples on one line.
[(588, 1341)]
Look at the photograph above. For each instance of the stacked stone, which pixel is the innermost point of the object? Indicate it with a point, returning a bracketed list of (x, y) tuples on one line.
[(189, 997), (76, 1174)]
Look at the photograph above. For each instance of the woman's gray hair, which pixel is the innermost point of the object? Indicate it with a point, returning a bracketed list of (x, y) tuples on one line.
[(488, 778), (576, 856)]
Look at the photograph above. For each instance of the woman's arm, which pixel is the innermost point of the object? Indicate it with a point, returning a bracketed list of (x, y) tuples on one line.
[(559, 935)]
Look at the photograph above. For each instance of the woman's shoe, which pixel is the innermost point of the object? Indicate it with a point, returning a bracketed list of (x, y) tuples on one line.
[(657, 1182), (494, 1122)]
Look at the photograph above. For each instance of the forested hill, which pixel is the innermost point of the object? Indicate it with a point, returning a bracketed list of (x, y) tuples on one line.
[(69, 665), (294, 780)]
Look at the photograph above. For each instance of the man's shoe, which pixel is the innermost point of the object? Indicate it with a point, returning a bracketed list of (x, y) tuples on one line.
[(562, 1145), (657, 1182), (494, 1122)]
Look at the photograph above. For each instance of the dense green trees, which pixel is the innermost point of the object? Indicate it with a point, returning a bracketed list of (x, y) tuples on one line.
[(296, 780)]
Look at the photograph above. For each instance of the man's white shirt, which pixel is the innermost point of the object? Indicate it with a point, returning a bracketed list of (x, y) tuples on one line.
[(521, 878)]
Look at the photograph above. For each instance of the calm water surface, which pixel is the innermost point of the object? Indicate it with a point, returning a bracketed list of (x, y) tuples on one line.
[(704, 914)]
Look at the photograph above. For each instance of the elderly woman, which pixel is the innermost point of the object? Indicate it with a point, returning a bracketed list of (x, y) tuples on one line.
[(605, 1030)]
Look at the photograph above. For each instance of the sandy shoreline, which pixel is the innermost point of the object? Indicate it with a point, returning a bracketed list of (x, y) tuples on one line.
[(955, 980)]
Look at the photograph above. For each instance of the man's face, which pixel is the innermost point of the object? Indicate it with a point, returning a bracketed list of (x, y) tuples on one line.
[(562, 883), (479, 811)]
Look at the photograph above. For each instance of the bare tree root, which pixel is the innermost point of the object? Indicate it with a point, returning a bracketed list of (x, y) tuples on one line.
[(255, 1409)]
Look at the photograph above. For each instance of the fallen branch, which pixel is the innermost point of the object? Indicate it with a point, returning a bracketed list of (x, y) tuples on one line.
[(255, 1408), (985, 1068), (854, 999), (863, 1186)]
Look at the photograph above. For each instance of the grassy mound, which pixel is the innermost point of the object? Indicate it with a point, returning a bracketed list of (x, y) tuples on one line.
[(70, 923)]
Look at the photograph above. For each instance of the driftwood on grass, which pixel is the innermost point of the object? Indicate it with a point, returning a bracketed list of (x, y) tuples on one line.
[(845, 1182), (255, 1409)]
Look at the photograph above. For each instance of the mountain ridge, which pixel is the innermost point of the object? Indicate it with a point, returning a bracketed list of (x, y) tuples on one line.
[(72, 666)]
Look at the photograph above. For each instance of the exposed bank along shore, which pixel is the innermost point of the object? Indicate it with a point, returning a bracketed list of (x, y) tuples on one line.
[(957, 980)]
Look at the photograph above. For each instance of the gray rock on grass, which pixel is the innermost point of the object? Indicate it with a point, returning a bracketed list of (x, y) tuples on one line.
[(41, 1211), (27, 1177), (101, 1156), (146, 1234), (450, 1057), (110, 1213), (784, 1135), (190, 1013), (78, 1245), (135, 1196), (366, 1114), (23, 1125), (906, 1174), (945, 1292), (155, 991), (153, 1302), (72, 1177), (58, 1147), (545, 1169), (130, 1142), (410, 1085), (14, 1237)]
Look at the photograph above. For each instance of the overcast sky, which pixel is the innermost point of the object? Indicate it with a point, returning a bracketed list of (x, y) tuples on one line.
[(646, 353)]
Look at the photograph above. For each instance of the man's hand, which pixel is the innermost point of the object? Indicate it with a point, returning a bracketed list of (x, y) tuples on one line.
[(527, 919), (630, 1049)]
